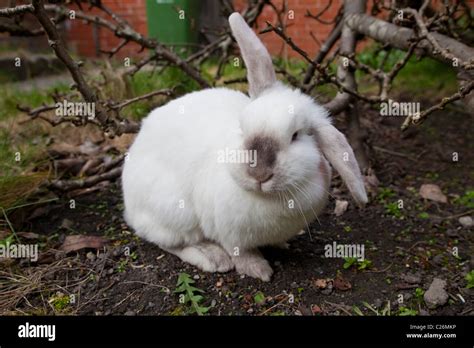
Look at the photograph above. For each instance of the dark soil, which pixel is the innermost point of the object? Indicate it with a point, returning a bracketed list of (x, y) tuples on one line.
[(406, 251)]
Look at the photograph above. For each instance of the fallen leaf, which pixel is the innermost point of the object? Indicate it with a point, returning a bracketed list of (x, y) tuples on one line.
[(78, 242), (316, 309), (62, 150), (89, 148), (321, 283), (341, 207), (342, 284), (28, 235), (303, 310), (66, 224), (433, 193), (40, 211), (259, 298), (123, 142), (371, 181)]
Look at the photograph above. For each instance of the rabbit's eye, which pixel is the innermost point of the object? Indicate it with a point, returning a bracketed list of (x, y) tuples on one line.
[(295, 136)]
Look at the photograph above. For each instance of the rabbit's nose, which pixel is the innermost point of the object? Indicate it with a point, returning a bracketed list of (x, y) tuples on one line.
[(260, 175), (268, 178)]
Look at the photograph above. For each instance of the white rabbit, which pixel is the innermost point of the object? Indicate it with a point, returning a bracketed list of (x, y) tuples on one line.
[(213, 213)]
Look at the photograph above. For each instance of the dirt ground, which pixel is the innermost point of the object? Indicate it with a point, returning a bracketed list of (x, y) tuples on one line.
[(407, 248)]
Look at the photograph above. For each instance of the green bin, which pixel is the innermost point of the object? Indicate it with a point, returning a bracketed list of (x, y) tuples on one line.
[(173, 22)]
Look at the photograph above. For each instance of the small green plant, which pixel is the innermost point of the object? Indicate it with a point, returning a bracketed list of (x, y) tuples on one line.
[(419, 292), (122, 265), (189, 294), (424, 215), (364, 264), (357, 311), (404, 312), (7, 240), (467, 199), (379, 312), (347, 229), (385, 193), (349, 261), (352, 261), (393, 209), (470, 280), (59, 301), (259, 297)]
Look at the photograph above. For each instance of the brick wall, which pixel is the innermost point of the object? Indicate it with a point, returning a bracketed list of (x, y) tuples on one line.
[(299, 26), (82, 39), (85, 39)]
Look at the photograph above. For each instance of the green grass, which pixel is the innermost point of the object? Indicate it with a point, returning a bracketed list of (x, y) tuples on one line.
[(145, 82), (11, 97), (466, 200), (22, 147), (352, 261), (470, 280), (418, 77)]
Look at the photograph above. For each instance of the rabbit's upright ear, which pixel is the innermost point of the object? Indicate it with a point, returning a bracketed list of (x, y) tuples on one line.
[(260, 72), (339, 153)]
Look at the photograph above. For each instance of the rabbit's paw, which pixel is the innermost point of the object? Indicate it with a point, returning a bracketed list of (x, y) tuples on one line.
[(253, 264), (207, 256), (217, 255)]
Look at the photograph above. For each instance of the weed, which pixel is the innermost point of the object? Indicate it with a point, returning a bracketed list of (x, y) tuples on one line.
[(384, 194), (352, 261), (470, 280), (393, 209), (424, 215), (259, 297), (189, 294), (419, 292), (466, 200), (404, 312)]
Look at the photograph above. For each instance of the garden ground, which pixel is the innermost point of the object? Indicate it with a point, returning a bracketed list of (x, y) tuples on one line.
[(405, 247)]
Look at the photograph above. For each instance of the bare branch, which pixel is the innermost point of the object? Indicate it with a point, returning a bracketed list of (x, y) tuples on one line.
[(418, 118), (74, 184), (126, 32), (167, 92), (14, 11)]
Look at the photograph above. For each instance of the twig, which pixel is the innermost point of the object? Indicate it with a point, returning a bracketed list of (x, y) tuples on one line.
[(395, 153), (167, 92), (418, 118), (69, 185)]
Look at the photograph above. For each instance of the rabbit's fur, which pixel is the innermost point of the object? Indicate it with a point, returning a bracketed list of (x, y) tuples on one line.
[(215, 215)]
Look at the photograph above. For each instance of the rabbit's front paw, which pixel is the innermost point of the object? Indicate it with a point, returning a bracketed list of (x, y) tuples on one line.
[(207, 256), (217, 256), (253, 264)]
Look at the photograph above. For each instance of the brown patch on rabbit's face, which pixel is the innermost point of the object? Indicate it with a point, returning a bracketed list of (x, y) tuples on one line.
[(266, 149)]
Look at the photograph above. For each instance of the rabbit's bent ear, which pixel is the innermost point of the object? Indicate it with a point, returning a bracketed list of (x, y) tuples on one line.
[(339, 153), (260, 72)]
